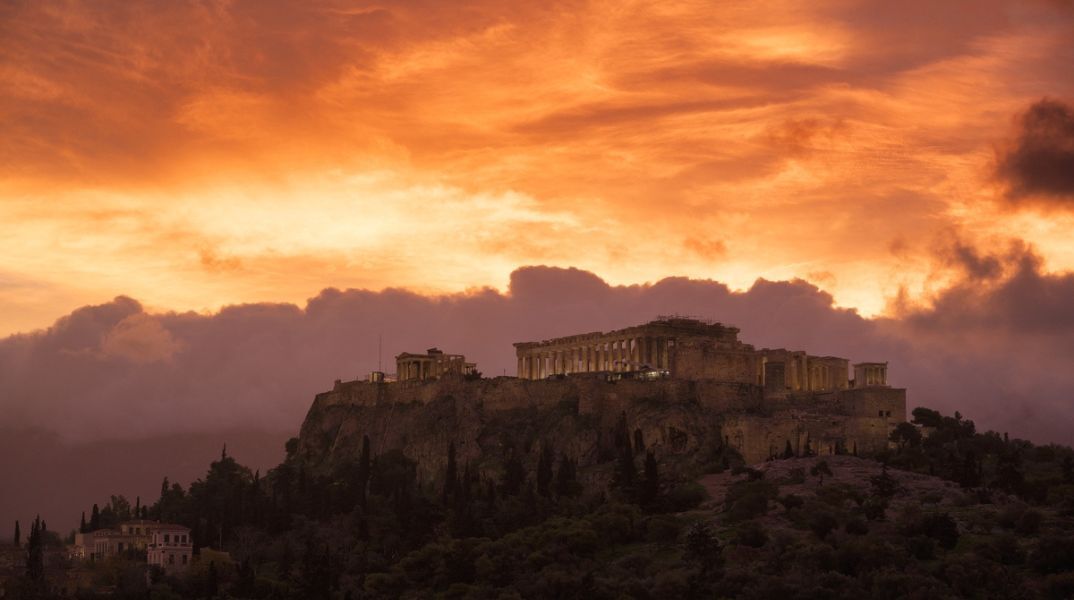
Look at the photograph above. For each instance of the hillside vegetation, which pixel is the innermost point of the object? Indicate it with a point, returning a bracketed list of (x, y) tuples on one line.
[(947, 513)]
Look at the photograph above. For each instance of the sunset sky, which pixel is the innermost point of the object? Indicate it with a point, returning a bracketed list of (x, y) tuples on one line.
[(193, 155)]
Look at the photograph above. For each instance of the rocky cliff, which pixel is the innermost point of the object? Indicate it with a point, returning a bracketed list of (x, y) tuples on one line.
[(684, 422)]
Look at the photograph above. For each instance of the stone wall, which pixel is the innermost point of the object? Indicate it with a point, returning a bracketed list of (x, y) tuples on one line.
[(759, 438), (578, 414), (699, 360), (593, 393)]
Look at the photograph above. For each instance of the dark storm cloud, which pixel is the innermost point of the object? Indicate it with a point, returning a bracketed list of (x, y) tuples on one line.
[(117, 371), (1039, 163)]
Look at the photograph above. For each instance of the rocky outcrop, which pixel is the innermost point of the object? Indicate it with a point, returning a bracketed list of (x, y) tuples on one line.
[(487, 419)]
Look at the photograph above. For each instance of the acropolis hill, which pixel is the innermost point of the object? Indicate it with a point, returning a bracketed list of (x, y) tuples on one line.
[(686, 385)]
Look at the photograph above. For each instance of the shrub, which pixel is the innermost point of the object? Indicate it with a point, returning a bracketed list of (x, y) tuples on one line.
[(856, 526), (791, 502), (1003, 549), (822, 522), (685, 497), (942, 528), (752, 534), (875, 508), (1029, 523), (1061, 586), (748, 499), (921, 547), (662, 528), (1054, 554), (1008, 517)]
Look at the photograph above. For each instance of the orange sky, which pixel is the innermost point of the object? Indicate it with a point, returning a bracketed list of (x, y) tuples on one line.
[(197, 154)]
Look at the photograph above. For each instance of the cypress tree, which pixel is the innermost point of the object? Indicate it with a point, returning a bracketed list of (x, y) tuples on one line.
[(363, 471), (565, 478), (95, 519), (622, 433), (650, 488), (544, 470), (514, 475), (639, 441), (625, 471), (35, 557), (82, 523), (137, 507), (18, 534), (451, 475)]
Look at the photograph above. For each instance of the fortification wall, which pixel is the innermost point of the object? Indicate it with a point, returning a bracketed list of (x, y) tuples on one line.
[(874, 402), (700, 361), (676, 414), (593, 394), (759, 438)]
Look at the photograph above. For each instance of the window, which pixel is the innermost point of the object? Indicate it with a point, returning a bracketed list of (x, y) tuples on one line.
[(120, 547), (171, 559), (167, 538), (881, 414), (184, 559)]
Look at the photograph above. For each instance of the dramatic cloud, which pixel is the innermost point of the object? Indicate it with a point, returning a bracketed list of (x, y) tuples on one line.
[(195, 154), (118, 371), (1040, 162)]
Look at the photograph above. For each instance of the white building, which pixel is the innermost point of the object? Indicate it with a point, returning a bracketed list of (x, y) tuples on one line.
[(170, 548)]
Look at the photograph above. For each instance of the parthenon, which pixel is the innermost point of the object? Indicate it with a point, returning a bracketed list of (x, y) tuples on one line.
[(687, 348), (679, 346)]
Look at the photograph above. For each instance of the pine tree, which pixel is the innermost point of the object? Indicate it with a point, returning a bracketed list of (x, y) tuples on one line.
[(544, 470), (18, 534)]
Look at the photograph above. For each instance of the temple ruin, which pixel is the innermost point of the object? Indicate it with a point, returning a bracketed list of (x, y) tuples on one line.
[(687, 348), (434, 364), (766, 400)]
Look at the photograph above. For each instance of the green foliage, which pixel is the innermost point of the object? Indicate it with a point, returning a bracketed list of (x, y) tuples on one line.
[(749, 499), (752, 534), (684, 497), (906, 436), (522, 523), (820, 470)]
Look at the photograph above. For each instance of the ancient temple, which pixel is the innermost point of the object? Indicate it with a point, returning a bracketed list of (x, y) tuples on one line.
[(683, 347), (687, 348), (431, 365)]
